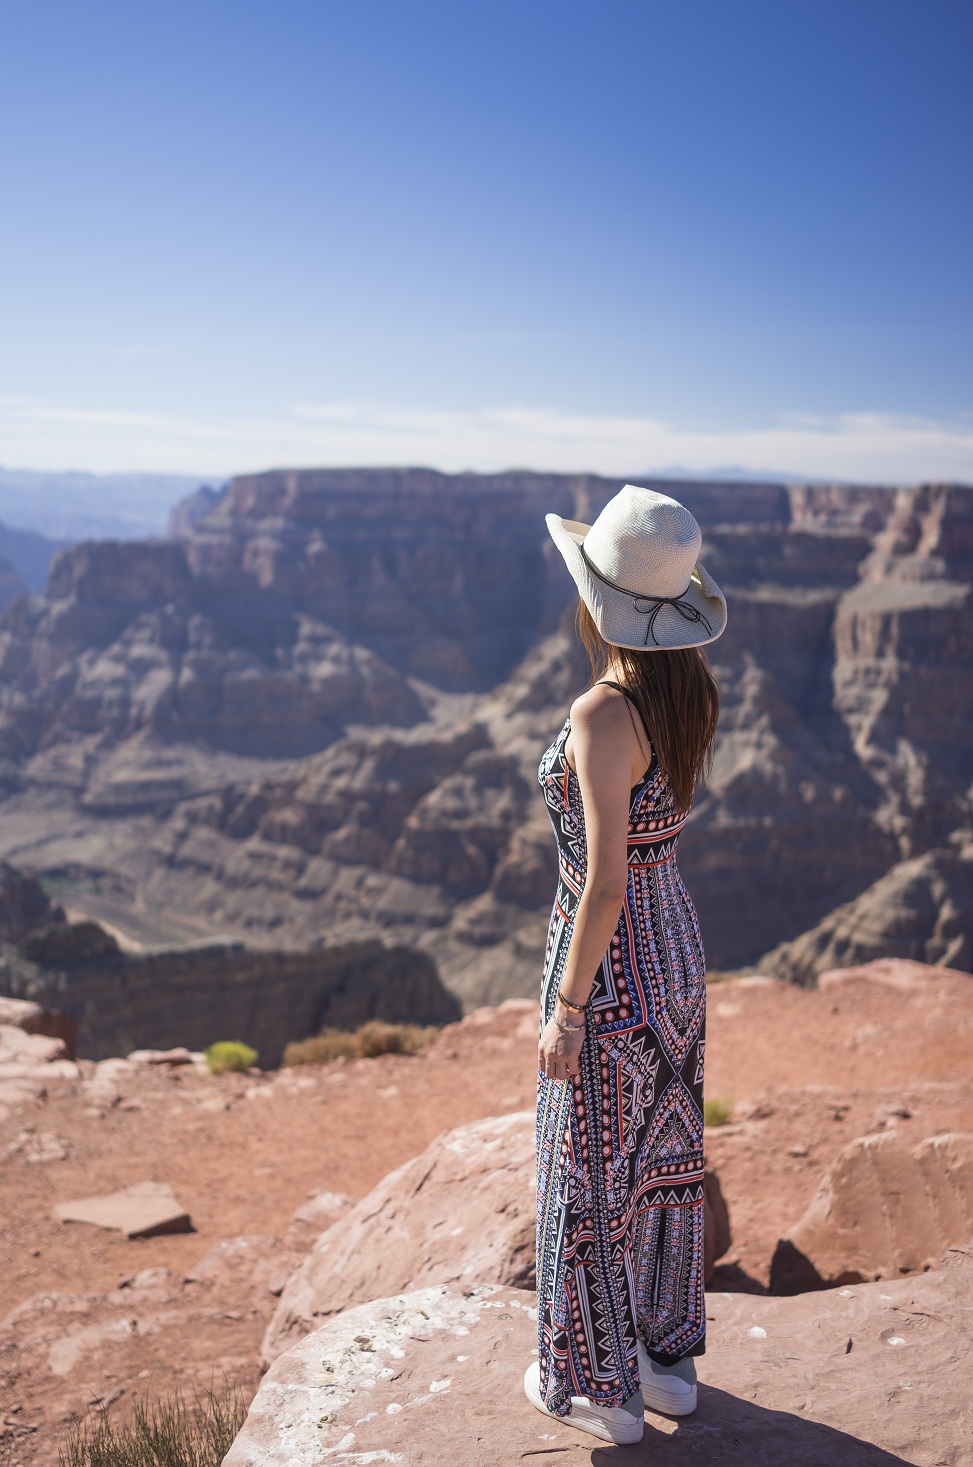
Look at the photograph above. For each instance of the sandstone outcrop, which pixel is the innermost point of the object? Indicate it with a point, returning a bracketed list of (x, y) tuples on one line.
[(254, 1265), (874, 1375), (34, 1018), (171, 1057), (84, 1315), (28, 1063), (885, 1207), (318, 1211), (462, 1210)]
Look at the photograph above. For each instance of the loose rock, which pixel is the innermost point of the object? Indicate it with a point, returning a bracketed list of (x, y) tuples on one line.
[(139, 1211), (178, 1056), (318, 1212)]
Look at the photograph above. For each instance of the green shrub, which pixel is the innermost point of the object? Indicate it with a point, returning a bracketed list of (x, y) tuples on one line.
[(718, 1110), (230, 1054), (168, 1432), (375, 1037)]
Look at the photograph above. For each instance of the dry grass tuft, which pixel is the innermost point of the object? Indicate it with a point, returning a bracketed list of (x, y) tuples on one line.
[(718, 1110), (230, 1054), (375, 1037), (168, 1432)]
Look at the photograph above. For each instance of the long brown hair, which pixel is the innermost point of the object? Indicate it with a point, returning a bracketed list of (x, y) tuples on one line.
[(677, 696)]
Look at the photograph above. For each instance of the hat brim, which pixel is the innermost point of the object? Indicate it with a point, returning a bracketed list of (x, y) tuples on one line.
[(615, 614)]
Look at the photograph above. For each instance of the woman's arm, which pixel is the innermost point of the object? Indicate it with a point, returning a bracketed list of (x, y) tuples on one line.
[(604, 747)]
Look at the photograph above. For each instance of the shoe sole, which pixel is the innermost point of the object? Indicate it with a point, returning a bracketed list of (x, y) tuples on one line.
[(662, 1401), (587, 1418), (657, 1398)]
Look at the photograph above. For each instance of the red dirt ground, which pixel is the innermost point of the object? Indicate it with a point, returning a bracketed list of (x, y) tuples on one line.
[(807, 1070)]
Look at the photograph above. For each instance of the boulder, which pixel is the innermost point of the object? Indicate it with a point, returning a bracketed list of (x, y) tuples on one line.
[(884, 1208), (318, 1211), (717, 1236), (140, 1211), (107, 1081), (886, 1366), (461, 1210), (28, 1063), (34, 1018), (20, 1047)]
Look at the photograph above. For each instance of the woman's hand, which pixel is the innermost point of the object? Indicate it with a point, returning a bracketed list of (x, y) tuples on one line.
[(558, 1054)]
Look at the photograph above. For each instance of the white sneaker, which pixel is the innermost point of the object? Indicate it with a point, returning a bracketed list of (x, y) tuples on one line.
[(610, 1423), (668, 1388)]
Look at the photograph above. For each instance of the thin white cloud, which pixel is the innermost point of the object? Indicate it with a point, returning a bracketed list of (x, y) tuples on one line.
[(866, 447)]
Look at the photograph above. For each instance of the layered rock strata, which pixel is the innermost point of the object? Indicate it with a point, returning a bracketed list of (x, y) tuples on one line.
[(122, 1001), (185, 724)]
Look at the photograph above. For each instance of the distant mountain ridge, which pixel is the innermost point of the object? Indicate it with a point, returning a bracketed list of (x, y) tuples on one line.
[(69, 506)]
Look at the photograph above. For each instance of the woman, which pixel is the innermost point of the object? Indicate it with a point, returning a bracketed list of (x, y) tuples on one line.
[(620, 1103)]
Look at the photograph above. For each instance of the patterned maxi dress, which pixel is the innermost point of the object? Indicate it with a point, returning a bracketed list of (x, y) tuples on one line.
[(620, 1147)]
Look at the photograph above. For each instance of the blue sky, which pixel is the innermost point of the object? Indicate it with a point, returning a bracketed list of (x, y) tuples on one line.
[(615, 236)]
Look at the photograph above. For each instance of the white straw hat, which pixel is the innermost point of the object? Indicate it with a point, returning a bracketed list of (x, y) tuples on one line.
[(638, 575)]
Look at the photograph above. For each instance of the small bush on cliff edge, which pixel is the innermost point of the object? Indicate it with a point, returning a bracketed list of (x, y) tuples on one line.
[(717, 1110), (230, 1054), (375, 1037), (168, 1432)]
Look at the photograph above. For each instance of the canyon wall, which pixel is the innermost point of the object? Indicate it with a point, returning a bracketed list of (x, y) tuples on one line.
[(194, 996), (315, 716)]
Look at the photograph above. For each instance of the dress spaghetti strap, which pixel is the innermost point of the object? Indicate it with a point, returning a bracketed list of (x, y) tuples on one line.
[(621, 688)]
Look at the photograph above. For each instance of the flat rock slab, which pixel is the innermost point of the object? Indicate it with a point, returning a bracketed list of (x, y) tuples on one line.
[(139, 1211), (178, 1056), (868, 1376)]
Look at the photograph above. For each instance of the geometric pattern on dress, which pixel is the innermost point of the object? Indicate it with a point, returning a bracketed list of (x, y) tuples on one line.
[(620, 1146), (700, 1049)]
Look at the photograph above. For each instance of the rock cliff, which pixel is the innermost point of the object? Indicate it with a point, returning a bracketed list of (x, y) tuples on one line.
[(124, 1001), (317, 711)]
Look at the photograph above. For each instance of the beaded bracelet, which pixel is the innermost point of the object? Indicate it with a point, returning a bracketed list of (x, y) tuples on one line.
[(578, 1008)]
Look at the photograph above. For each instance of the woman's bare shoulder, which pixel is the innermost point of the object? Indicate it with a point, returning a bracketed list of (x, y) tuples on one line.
[(600, 708)]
